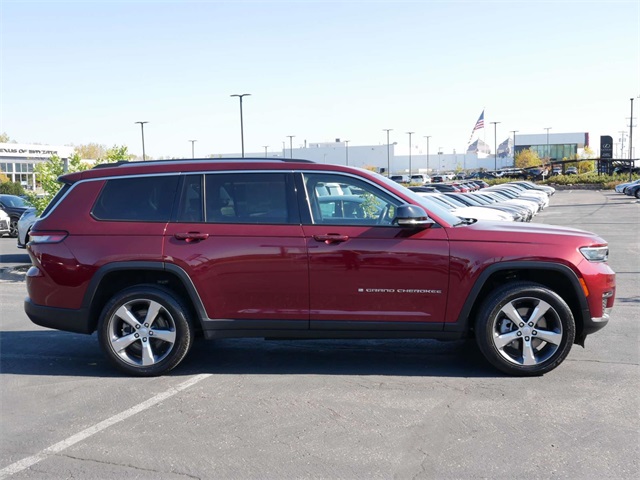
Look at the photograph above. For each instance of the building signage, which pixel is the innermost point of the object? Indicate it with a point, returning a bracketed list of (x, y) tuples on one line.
[(606, 147), (18, 151)]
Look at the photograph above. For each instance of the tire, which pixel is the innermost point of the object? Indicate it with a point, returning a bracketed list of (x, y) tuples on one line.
[(637, 194), (13, 227), (140, 348), (525, 329)]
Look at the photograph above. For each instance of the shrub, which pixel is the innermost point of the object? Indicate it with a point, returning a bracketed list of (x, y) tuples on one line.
[(11, 188)]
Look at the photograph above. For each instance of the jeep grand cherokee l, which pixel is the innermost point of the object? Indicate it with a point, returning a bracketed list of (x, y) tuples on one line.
[(150, 253)]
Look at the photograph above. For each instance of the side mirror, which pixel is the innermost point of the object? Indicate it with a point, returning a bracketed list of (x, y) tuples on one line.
[(412, 216)]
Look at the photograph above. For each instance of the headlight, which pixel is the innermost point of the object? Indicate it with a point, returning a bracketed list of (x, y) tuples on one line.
[(595, 254)]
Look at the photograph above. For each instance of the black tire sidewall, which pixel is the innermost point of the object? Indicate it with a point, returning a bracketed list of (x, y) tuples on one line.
[(492, 306), (183, 326)]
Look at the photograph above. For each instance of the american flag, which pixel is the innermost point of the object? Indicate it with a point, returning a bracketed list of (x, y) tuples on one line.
[(479, 125)]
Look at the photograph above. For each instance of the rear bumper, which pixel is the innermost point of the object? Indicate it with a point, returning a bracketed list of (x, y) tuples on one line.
[(66, 319)]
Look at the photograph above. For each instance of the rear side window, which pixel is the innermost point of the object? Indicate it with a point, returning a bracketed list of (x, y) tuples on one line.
[(143, 199), (250, 198)]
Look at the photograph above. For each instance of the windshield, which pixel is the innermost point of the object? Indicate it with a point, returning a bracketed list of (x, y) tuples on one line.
[(437, 210), (13, 201)]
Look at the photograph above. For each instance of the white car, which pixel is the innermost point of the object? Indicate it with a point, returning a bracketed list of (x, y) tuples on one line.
[(4, 223), (459, 210), (25, 223)]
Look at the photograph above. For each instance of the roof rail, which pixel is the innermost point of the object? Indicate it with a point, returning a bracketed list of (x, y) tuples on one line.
[(233, 159)]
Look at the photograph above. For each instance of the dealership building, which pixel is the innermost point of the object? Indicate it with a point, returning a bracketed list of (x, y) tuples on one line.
[(17, 160)]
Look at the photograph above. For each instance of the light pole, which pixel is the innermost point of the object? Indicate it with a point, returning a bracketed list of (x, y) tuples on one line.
[(495, 144), (193, 155), (631, 142), (241, 123), (265, 150), (514, 146), (410, 133), (142, 129), (290, 145), (346, 142), (388, 161), (548, 152), (427, 137)]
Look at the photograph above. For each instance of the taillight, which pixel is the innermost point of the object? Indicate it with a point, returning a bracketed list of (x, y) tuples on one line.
[(47, 237)]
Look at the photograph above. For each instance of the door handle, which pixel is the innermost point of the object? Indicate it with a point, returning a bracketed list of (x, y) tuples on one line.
[(331, 238), (191, 237)]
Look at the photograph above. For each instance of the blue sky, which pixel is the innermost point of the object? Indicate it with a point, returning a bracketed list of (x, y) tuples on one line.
[(84, 71)]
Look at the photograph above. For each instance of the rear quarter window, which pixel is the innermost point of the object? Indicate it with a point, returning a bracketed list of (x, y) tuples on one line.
[(142, 199)]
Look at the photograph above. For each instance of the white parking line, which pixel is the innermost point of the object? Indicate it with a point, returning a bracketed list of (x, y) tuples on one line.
[(86, 433)]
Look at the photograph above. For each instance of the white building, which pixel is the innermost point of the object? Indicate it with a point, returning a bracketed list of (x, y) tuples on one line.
[(17, 160)]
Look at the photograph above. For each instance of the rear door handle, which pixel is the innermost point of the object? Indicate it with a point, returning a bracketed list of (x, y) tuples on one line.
[(191, 237), (331, 238)]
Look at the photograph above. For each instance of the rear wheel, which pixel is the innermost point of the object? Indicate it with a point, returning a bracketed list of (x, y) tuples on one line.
[(525, 329), (13, 227), (145, 331)]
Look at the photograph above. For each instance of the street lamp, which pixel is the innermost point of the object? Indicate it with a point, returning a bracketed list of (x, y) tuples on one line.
[(495, 144), (290, 145), (410, 133), (631, 142), (142, 129), (388, 161), (193, 155), (427, 137), (241, 123), (548, 152), (265, 150), (347, 144), (514, 146)]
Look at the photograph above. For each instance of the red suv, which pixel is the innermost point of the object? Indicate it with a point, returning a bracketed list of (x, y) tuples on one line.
[(151, 253)]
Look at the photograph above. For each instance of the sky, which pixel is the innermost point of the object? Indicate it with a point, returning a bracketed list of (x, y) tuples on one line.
[(78, 72)]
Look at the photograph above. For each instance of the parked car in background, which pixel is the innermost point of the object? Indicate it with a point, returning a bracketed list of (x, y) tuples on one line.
[(571, 171), (620, 188), (13, 206), (421, 178), (633, 191), (4, 223), (25, 223)]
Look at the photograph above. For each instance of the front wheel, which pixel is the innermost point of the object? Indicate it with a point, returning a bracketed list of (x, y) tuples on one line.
[(525, 329), (13, 227), (145, 331)]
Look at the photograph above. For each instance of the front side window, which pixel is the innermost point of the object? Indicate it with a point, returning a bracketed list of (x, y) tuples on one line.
[(144, 199), (343, 200)]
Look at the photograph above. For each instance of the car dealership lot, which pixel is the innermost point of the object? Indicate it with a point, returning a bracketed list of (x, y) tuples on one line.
[(332, 409)]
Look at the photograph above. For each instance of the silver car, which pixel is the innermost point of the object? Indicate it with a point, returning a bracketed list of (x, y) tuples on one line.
[(25, 223)]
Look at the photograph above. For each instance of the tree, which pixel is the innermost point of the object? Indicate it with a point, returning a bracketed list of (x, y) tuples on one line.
[(527, 158), (48, 172), (4, 138), (90, 151), (10, 188)]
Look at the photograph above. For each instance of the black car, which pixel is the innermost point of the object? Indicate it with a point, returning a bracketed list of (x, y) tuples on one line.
[(14, 206)]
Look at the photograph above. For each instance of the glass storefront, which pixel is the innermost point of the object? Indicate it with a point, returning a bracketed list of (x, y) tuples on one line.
[(552, 151)]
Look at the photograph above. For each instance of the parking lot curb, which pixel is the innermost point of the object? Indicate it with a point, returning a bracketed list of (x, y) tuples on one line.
[(13, 274)]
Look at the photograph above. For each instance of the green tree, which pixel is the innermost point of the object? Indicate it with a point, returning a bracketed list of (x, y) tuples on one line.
[(527, 158), (10, 188), (47, 173)]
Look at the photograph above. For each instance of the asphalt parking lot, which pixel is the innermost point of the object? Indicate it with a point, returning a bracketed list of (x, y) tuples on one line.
[(329, 409)]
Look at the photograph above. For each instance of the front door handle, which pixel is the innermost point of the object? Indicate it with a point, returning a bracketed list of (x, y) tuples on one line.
[(331, 238), (191, 237)]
